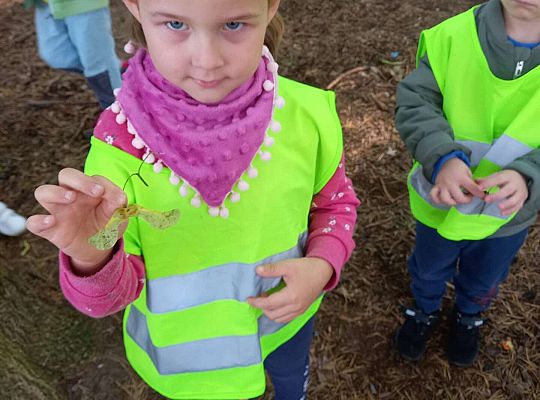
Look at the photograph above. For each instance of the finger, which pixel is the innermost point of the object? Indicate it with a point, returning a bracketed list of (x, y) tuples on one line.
[(40, 225), (259, 302), (473, 188), (446, 198), (512, 210), (505, 192), (112, 192), (435, 195), (460, 197), (49, 195), (76, 180), (282, 314), (491, 181), (271, 270), (511, 204), (272, 302), (288, 318), (114, 196), (97, 187)]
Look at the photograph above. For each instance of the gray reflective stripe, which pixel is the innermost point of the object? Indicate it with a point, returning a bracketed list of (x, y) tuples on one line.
[(505, 150), (200, 355), (197, 356), (475, 207), (234, 281), (493, 210), (479, 207), (423, 187), (478, 150), (267, 326)]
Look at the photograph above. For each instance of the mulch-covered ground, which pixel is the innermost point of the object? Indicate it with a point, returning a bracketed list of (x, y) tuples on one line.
[(50, 351)]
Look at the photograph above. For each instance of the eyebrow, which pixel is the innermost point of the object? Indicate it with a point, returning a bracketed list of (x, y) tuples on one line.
[(181, 18), (244, 16), (167, 15)]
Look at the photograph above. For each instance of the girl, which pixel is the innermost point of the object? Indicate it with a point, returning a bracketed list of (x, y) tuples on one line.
[(231, 290)]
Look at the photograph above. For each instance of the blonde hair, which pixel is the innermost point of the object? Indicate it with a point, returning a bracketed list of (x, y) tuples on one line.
[(272, 37)]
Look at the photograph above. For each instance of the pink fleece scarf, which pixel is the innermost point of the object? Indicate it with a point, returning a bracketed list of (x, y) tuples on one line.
[(208, 146)]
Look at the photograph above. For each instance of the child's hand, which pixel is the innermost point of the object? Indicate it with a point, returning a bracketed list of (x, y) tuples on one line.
[(455, 184), (79, 206), (305, 279), (513, 188)]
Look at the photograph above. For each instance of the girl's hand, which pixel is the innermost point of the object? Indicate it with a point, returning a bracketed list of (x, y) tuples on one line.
[(305, 278), (455, 184), (513, 189), (79, 207)]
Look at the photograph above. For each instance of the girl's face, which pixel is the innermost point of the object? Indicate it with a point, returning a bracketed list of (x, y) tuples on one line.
[(207, 48), (526, 10)]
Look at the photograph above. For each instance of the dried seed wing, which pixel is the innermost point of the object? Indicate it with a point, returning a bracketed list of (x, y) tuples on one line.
[(127, 212), (107, 237), (159, 219)]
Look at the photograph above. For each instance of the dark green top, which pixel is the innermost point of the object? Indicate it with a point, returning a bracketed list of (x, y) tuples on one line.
[(66, 8)]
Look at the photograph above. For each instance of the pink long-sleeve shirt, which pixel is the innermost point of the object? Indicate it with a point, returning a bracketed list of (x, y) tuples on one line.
[(120, 281)]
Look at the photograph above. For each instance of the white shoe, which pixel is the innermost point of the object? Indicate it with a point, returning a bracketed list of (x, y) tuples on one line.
[(11, 223)]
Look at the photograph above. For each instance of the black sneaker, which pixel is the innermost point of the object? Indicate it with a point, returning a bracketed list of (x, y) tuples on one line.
[(412, 337), (464, 338)]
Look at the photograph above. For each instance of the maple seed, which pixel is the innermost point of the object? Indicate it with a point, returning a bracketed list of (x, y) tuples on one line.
[(107, 237)]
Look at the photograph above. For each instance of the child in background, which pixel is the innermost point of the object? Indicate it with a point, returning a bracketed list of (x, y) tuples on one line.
[(76, 35), (253, 161), (11, 223), (469, 116)]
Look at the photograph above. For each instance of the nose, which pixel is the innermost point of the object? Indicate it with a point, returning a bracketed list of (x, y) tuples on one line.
[(207, 54)]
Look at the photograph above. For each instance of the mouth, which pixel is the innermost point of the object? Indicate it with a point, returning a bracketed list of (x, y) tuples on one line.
[(208, 84)]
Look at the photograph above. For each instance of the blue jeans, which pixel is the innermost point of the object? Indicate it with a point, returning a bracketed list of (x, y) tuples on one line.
[(288, 365), (477, 267), (81, 43)]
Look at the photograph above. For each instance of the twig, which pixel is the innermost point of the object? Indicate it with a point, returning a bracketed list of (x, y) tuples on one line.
[(137, 174), (388, 196), (342, 76), (46, 103)]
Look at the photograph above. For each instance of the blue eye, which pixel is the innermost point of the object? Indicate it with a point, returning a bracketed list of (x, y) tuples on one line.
[(234, 26), (176, 25)]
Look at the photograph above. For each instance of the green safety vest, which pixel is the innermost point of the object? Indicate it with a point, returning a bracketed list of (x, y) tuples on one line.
[(494, 118), (191, 334)]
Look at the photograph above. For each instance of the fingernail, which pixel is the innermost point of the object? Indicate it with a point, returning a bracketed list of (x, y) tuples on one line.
[(259, 270), (69, 195), (121, 200), (97, 190)]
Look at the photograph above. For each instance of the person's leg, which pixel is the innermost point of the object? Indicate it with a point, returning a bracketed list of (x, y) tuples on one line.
[(288, 365), (483, 265), (431, 265), (91, 34), (54, 44)]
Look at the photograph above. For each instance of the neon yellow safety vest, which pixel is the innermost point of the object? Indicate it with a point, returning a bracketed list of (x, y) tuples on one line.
[(191, 334), (494, 118)]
